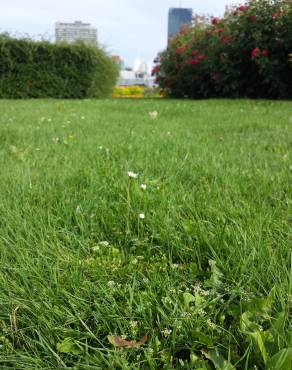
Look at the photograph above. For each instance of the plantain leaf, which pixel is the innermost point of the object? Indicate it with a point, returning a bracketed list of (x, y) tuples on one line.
[(188, 298), (69, 346), (281, 360), (218, 360)]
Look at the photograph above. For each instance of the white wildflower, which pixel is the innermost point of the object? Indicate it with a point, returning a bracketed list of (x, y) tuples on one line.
[(132, 175), (186, 314), (111, 284), (153, 115), (143, 186), (104, 243), (166, 332), (211, 324), (142, 216), (133, 324), (166, 300), (201, 312)]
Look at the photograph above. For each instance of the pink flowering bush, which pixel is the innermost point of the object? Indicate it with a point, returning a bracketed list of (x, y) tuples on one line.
[(244, 54)]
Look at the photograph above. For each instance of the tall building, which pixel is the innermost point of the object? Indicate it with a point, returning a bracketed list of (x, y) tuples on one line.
[(77, 31), (178, 17)]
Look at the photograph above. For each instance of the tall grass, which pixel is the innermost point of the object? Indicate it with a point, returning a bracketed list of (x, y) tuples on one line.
[(79, 264)]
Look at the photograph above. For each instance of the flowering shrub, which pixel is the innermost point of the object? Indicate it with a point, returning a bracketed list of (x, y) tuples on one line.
[(128, 91), (136, 92), (244, 54)]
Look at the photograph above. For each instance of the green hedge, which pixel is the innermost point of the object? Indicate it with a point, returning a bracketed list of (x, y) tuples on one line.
[(30, 69)]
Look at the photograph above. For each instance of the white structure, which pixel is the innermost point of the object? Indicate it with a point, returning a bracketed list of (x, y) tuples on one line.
[(77, 31), (140, 75)]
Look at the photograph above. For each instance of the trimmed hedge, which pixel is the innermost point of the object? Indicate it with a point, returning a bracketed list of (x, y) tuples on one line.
[(30, 69), (247, 53)]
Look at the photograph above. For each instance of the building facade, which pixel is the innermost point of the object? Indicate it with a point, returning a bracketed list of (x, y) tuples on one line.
[(77, 31), (138, 76), (178, 17)]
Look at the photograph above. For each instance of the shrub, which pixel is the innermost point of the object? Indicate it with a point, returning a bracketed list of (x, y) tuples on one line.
[(128, 91), (136, 92), (244, 54), (31, 69)]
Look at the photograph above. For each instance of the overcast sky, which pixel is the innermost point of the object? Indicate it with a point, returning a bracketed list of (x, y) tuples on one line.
[(130, 28)]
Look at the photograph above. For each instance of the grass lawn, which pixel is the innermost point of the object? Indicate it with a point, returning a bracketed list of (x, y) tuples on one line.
[(206, 274)]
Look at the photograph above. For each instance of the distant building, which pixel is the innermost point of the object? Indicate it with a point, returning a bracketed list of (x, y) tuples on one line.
[(77, 31), (120, 63), (178, 17), (138, 76)]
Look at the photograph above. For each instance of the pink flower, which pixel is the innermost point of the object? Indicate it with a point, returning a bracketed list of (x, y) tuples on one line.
[(255, 52), (253, 18), (194, 52), (243, 8), (276, 15), (265, 53), (215, 20), (192, 62), (155, 70), (225, 40), (180, 50), (201, 57)]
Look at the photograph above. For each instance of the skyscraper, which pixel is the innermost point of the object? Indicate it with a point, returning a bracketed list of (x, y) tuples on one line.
[(177, 17), (77, 31)]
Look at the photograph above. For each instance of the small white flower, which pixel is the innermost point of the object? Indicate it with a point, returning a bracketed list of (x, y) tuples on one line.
[(133, 324), (104, 243), (132, 175), (143, 186), (201, 312), (111, 284), (142, 216), (166, 300), (166, 332), (153, 115), (100, 147), (211, 324)]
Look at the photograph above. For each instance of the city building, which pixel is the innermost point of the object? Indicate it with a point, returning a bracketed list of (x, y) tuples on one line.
[(119, 62), (178, 17), (138, 76), (77, 31)]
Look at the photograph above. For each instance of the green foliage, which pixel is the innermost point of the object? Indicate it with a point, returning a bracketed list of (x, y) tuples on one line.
[(31, 69), (244, 54)]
